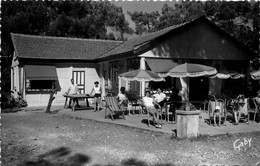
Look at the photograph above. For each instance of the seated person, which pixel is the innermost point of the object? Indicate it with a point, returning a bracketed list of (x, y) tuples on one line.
[(175, 97), (160, 97), (175, 100), (215, 114), (241, 108), (150, 103), (123, 101)]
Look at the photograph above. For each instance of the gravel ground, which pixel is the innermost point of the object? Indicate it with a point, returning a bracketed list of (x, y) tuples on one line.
[(34, 138)]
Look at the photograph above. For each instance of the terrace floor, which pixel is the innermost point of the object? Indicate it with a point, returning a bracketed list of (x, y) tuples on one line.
[(140, 121)]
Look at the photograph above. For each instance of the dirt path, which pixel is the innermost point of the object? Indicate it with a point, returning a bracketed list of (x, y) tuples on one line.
[(36, 138)]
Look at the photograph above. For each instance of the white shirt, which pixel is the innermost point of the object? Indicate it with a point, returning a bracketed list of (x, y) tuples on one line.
[(121, 97), (73, 89), (97, 90), (148, 101), (159, 97)]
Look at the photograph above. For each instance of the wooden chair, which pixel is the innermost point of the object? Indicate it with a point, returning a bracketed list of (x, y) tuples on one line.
[(222, 111), (253, 107), (113, 108), (144, 109), (135, 105), (169, 108)]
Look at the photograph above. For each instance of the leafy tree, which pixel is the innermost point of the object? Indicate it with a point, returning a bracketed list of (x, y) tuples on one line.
[(240, 19), (145, 22), (85, 19)]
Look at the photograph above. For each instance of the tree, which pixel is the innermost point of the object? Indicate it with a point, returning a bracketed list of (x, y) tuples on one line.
[(145, 22), (84, 19), (240, 19)]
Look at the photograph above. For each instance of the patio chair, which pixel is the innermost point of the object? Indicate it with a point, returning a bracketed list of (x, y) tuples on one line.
[(144, 110), (233, 105), (221, 113), (253, 107), (135, 105), (165, 110), (244, 110), (113, 108)]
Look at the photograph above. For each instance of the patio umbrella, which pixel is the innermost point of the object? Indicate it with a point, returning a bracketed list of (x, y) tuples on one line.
[(255, 75), (225, 74), (190, 70), (140, 75)]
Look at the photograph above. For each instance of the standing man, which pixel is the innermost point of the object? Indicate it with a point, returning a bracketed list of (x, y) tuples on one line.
[(160, 97), (73, 90)]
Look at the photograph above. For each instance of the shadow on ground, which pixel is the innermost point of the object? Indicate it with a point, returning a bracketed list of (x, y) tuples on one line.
[(63, 156), (11, 110), (135, 162)]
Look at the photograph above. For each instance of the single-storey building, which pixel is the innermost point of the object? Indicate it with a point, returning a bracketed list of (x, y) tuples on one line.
[(39, 62)]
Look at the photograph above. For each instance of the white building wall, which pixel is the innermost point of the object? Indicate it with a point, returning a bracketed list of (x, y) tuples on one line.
[(64, 75)]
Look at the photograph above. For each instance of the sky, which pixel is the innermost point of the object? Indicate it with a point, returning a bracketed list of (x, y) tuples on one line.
[(145, 6)]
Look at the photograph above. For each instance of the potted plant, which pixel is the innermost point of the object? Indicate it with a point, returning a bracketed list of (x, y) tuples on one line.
[(187, 121), (187, 106)]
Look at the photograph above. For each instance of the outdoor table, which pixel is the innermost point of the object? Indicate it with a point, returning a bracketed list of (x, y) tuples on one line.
[(133, 105), (74, 97)]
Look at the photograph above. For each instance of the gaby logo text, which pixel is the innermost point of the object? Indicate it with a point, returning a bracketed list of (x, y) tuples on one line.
[(240, 143)]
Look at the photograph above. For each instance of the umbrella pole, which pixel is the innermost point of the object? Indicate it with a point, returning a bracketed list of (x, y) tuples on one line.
[(188, 89)]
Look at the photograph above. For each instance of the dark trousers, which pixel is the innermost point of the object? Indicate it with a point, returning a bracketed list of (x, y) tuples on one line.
[(75, 100)]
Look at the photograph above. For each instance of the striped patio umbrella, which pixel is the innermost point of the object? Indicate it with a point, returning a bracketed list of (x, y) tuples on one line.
[(191, 70), (225, 74), (140, 75), (255, 75)]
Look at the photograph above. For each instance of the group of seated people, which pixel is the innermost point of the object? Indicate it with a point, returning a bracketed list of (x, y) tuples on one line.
[(239, 107), (242, 106), (152, 102)]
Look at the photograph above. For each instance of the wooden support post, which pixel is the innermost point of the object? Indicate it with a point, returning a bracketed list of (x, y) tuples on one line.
[(48, 109)]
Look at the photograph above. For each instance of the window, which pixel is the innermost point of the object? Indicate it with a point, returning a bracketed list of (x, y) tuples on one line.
[(40, 85), (79, 78), (40, 78)]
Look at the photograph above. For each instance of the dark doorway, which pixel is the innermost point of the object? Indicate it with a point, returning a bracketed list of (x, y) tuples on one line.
[(199, 87)]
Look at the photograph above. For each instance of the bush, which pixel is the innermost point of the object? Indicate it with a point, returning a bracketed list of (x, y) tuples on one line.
[(132, 95), (7, 101)]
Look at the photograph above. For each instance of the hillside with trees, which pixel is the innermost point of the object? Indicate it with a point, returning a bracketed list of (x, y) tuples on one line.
[(240, 19), (81, 19)]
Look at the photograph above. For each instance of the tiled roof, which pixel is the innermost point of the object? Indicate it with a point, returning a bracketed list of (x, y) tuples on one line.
[(43, 47), (130, 45)]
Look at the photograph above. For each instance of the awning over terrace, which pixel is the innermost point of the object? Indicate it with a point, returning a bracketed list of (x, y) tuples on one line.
[(160, 65), (37, 72)]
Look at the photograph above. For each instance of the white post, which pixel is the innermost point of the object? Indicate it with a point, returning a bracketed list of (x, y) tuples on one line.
[(142, 66), (119, 84), (12, 78)]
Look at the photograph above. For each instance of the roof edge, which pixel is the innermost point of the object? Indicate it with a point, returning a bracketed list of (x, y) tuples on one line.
[(64, 38)]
